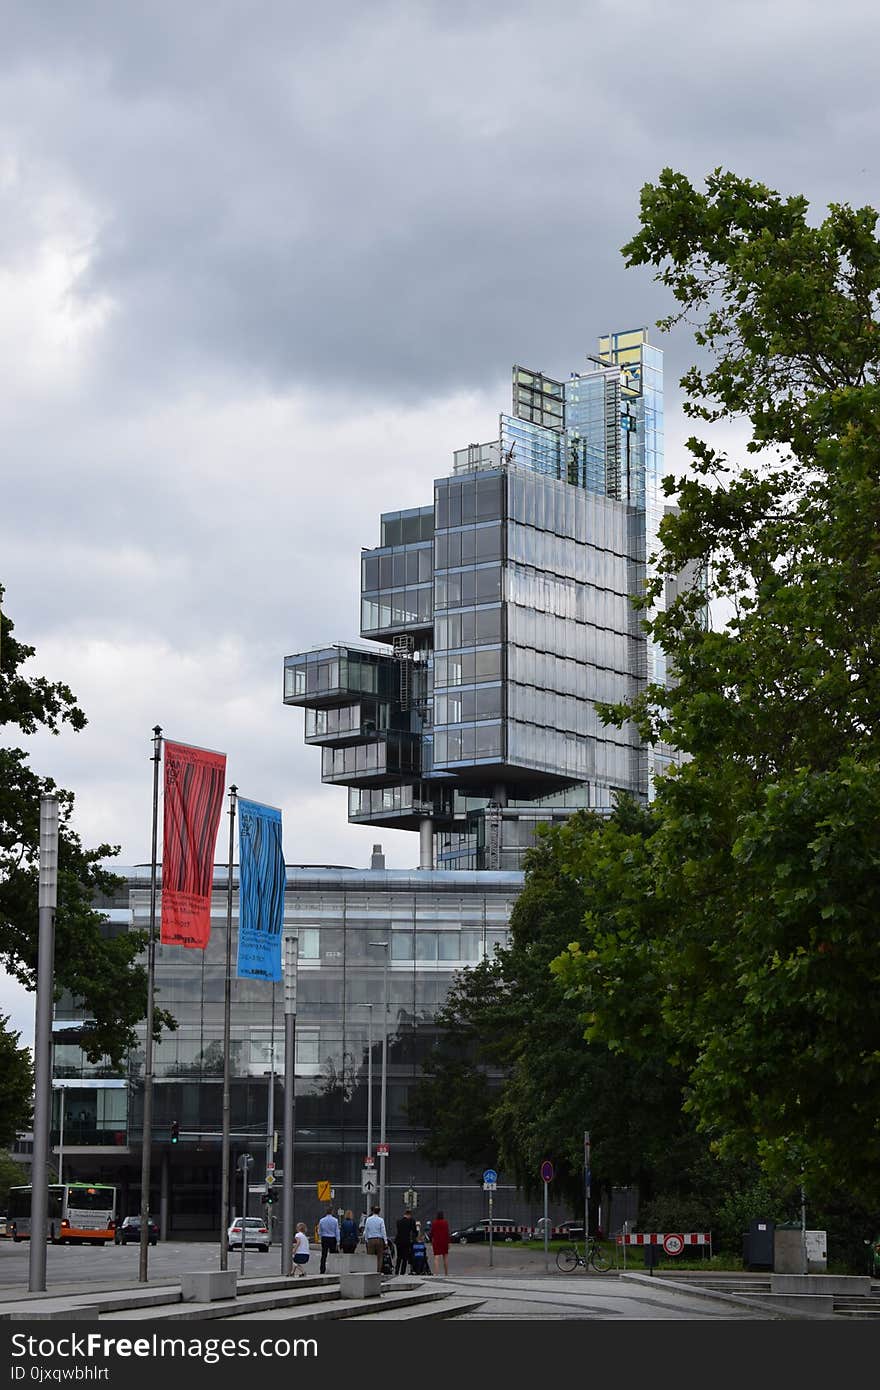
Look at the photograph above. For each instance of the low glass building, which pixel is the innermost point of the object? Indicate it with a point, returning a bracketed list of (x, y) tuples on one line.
[(431, 923)]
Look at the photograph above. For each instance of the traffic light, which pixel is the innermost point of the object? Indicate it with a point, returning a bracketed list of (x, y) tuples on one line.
[(175, 1132), (267, 1198)]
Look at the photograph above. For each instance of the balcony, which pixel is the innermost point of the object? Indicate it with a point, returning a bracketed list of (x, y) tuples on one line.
[(392, 755), (337, 675)]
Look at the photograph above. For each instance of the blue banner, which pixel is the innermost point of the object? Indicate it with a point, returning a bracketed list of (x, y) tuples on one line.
[(261, 880)]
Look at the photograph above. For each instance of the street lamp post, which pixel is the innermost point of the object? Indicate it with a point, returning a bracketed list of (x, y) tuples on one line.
[(291, 948), (369, 1153), (384, 1101), (47, 901), (61, 1135)]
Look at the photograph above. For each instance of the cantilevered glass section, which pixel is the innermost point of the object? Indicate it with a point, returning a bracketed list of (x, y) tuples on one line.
[(334, 675)]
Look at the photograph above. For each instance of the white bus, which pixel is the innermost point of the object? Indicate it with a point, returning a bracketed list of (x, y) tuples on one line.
[(78, 1213)]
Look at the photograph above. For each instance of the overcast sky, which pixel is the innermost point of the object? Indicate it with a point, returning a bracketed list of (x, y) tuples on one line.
[(264, 265)]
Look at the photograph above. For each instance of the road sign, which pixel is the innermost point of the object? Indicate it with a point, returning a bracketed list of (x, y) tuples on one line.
[(368, 1181), (369, 1161), (673, 1245), (382, 1150), (270, 1178), (270, 1167), (324, 1191), (490, 1175), (547, 1170), (489, 1186), (411, 1198)]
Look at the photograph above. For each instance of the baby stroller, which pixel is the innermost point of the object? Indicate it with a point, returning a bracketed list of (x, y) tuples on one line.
[(388, 1258), (419, 1258)]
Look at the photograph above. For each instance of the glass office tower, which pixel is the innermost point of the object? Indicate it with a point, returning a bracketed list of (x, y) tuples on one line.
[(498, 617)]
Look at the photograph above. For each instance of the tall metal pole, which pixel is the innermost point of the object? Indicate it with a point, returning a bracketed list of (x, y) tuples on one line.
[(47, 901), (587, 1182), (369, 1152), (61, 1107), (383, 1104), (227, 1016), (146, 1147), (244, 1206), (291, 947), (270, 1121)]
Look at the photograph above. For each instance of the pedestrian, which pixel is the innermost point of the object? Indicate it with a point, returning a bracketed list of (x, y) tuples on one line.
[(348, 1234), (404, 1237), (375, 1236), (328, 1234), (440, 1239), (300, 1250)]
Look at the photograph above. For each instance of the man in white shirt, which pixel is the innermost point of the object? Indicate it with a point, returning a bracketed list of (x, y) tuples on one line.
[(328, 1231), (375, 1236)]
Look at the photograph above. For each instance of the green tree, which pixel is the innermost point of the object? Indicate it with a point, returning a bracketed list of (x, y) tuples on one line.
[(765, 960), (97, 969), (16, 1085), (511, 1084), (12, 1174)]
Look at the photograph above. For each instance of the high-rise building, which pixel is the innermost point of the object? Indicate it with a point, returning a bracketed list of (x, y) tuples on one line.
[(497, 617)]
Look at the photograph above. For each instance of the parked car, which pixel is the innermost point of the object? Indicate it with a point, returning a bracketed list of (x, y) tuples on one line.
[(570, 1230), (503, 1228), (129, 1232), (256, 1233), (3, 1230)]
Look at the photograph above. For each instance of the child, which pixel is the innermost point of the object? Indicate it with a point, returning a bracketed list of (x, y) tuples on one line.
[(300, 1250)]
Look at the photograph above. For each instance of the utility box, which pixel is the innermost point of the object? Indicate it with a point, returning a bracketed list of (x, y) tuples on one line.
[(758, 1245), (789, 1243)]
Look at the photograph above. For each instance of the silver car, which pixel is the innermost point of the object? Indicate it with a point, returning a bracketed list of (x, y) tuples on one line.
[(256, 1233)]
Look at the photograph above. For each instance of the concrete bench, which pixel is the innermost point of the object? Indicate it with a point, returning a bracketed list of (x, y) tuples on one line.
[(360, 1285), (358, 1262), (208, 1285)]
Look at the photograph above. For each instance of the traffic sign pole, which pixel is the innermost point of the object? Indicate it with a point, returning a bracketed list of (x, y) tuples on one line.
[(490, 1179), (586, 1187), (547, 1178)]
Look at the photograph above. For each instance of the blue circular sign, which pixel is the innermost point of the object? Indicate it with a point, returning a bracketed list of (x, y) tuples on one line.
[(490, 1175)]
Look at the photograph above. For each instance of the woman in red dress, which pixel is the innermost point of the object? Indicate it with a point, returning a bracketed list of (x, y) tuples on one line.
[(440, 1239)]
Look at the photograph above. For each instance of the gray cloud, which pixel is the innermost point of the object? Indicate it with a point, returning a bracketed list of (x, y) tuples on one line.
[(398, 197), (264, 265)]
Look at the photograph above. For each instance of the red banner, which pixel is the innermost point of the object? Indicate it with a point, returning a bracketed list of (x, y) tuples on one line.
[(194, 782)]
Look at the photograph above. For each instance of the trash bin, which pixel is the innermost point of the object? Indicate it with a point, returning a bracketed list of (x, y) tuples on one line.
[(758, 1242)]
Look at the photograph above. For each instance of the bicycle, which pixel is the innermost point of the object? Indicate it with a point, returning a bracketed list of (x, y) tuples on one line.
[(569, 1258)]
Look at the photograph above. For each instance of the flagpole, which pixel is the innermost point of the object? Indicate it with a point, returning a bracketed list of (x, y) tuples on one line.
[(146, 1145), (227, 1010)]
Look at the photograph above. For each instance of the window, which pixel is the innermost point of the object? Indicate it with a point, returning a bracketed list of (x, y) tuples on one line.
[(309, 943)]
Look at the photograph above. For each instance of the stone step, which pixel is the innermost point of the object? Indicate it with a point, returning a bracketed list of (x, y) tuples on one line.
[(411, 1303)]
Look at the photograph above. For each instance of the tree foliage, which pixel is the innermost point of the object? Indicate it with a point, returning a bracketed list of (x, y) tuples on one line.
[(97, 969), (763, 952), (16, 1085), (511, 1083)]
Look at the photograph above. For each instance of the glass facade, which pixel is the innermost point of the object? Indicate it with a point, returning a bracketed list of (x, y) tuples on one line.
[(506, 617), (434, 923)]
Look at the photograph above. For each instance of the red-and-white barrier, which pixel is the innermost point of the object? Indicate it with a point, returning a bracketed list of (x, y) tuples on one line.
[(658, 1238)]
